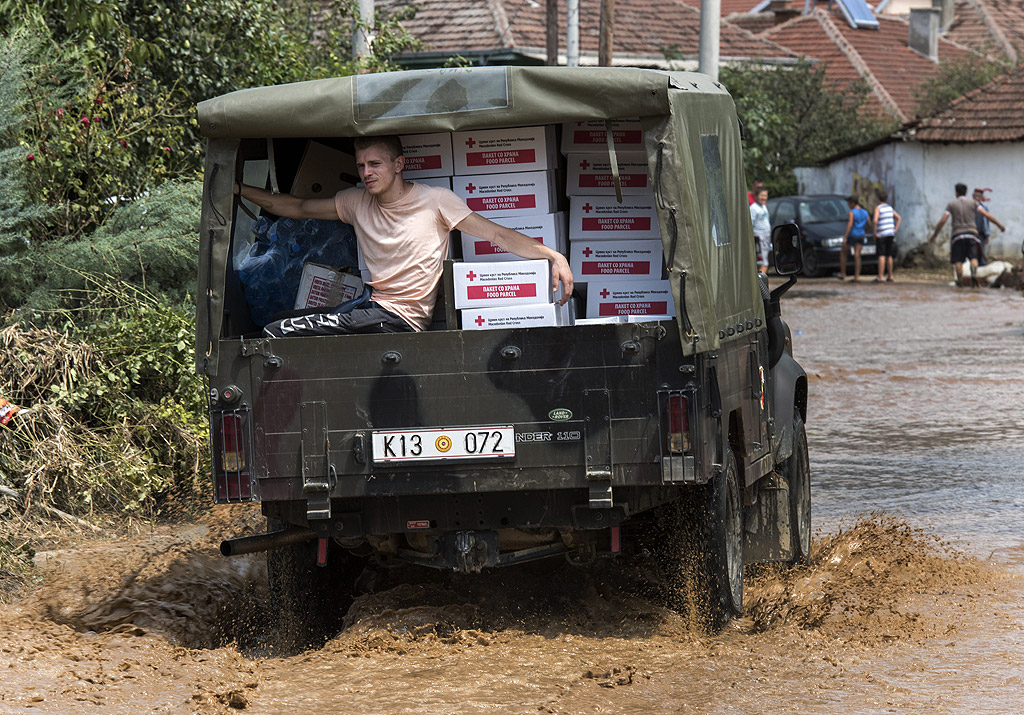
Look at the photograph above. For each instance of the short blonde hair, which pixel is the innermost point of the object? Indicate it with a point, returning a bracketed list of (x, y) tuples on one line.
[(391, 143)]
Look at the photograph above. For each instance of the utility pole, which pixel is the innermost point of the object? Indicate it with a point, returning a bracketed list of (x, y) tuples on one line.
[(710, 27), (604, 52), (364, 21), (572, 45), (552, 32)]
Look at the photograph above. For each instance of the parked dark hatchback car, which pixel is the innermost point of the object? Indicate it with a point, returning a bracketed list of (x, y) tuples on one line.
[(822, 222)]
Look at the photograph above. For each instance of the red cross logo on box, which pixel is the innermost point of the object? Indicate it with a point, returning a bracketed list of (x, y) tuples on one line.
[(584, 164), (471, 275), (470, 143), (470, 188), (587, 208), (479, 320), (605, 293), (587, 252)]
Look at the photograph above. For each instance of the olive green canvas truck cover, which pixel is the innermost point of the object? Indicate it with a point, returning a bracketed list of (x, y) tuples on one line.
[(692, 142)]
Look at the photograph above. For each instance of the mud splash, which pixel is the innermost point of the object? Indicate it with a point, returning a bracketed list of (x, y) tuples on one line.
[(877, 580), (174, 629)]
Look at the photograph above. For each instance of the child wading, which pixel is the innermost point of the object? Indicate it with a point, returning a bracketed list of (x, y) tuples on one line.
[(856, 236), (887, 223)]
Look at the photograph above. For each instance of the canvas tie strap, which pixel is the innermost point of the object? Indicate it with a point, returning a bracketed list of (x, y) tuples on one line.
[(613, 160), (274, 188)]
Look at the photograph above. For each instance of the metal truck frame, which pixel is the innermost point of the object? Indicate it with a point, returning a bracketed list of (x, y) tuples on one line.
[(617, 429)]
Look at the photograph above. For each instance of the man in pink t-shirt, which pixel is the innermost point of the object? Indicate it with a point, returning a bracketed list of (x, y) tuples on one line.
[(402, 230)]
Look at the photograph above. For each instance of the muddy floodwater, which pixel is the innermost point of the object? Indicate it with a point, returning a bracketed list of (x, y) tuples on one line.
[(913, 602)]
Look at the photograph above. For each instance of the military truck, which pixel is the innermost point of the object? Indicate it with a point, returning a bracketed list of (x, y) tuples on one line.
[(658, 439)]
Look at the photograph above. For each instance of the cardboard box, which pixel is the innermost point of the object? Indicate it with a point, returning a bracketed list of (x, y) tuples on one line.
[(495, 151), (591, 174), (538, 315), (548, 229), (600, 321), (427, 155), (445, 182), (486, 285), (616, 260), (647, 318), (593, 218), (522, 194), (628, 298), (567, 312), (323, 286), (323, 172), (592, 136)]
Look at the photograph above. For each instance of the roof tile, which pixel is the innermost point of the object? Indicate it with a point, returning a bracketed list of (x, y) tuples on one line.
[(883, 53), (992, 113), (643, 28)]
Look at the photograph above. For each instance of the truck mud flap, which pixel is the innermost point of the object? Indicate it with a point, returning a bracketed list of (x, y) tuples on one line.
[(597, 444), (317, 470)]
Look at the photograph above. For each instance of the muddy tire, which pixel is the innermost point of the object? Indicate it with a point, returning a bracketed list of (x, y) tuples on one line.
[(719, 515), (308, 603), (797, 471)]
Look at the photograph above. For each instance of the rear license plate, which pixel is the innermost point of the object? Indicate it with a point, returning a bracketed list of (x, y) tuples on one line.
[(440, 445)]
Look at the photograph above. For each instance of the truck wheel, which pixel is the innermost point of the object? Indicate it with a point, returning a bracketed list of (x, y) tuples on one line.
[(308, 602), (724, 551), (716, 521), (692, 550), (797, 471)]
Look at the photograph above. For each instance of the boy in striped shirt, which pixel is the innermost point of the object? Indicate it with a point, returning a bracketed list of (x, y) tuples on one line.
[(887, 223)]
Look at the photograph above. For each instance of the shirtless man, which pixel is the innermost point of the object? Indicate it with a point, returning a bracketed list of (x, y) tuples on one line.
[(965, 244), (402, 231)]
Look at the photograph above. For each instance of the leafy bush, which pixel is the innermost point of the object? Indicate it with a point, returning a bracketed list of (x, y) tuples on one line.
[(88, 133), (151, 243), (113, 418)]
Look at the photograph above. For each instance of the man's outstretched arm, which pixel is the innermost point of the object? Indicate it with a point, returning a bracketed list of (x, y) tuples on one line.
[(938, 227), (991, 218), (289, 206), (522, 246)]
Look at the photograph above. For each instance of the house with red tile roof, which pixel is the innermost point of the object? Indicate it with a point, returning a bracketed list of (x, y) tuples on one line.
[(894, 72), (648, 33), (979, 141), (994, 28)]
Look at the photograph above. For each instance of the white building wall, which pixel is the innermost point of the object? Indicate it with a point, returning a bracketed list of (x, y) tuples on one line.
[(920, 178)]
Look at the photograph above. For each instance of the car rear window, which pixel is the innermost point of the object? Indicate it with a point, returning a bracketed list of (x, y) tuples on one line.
[(823, 210)]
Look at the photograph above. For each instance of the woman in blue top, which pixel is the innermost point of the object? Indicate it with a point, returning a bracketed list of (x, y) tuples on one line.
[(856, 236)]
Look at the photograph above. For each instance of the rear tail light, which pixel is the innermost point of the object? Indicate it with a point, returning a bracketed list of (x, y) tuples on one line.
[(231, 470), (678, 424)]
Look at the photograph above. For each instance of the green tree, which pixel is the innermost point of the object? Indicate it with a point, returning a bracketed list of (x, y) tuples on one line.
[(109, 103), (955, 79), (19, 212), (793, 116)]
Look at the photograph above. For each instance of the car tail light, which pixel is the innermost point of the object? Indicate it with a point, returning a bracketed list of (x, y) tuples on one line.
[(678, 424), (231, 475)]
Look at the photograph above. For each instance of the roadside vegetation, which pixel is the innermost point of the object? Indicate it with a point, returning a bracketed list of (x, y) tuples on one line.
[(100, 180)]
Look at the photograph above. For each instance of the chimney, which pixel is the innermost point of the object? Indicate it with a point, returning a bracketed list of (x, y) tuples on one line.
[(945, 8), (784, 10), (924, 31)]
